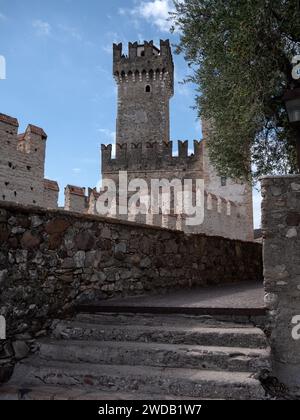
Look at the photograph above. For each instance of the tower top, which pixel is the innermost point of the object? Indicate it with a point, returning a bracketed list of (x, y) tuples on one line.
[(143, 58)]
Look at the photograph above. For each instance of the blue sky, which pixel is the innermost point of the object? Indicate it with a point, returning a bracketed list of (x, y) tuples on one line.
[(59, 76)]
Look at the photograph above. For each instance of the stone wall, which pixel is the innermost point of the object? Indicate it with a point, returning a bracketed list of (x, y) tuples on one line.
[(50, 260), (281, 243)]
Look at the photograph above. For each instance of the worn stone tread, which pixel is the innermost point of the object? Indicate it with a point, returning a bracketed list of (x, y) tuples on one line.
[(42, 393), (159, 320), (156, 354), (250, 337), (143, 379)]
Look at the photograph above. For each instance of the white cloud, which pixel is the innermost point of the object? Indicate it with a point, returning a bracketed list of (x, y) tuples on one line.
[(70, 31), (42, 28), (155, 12)]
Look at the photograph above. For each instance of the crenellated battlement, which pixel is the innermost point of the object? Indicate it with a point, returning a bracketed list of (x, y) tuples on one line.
[(151, 156), (22, 165), (144, 62)]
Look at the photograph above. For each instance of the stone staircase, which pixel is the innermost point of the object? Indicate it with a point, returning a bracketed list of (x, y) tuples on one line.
[(115, 356)]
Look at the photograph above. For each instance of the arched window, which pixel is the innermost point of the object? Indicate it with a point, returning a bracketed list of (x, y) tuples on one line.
[(148, 89)]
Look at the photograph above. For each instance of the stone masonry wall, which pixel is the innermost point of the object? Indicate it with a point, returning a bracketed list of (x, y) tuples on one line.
[(51, 260), (281, 254)]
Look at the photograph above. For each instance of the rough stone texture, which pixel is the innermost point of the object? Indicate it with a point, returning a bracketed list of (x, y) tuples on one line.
[(51, 260), (281, 232), (167, 356), (22, 165)]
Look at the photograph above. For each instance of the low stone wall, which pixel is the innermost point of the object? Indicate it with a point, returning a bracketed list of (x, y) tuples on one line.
[(281, 242), (50, 260)]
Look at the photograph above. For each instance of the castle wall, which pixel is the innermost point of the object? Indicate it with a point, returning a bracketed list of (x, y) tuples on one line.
[(22, 161), (224, 213)]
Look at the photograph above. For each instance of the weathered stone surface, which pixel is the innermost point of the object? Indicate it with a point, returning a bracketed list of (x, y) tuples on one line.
[(3, 216), (293, 219), (21, 350), (58, 225), (29, 240), (4, 232), (3, 277), (281, 218), (65, 259), (85, 241), (79, 259), (147, 354)]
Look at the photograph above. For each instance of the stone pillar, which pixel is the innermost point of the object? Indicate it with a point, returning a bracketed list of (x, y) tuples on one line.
[(281, 244)]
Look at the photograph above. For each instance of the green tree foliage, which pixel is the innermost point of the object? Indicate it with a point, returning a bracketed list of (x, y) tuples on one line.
[(240, 52)]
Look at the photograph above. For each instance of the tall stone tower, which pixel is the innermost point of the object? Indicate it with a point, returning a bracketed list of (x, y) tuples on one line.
[(145, 80)]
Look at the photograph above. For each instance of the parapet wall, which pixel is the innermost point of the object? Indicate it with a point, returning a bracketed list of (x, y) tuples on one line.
[(157, 157)]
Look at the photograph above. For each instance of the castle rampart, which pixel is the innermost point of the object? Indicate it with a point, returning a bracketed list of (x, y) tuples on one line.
[(147, 157), (75, 199), (22, 165)]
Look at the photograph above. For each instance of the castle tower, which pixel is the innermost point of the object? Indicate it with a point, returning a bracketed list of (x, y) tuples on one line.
[(145, 80)]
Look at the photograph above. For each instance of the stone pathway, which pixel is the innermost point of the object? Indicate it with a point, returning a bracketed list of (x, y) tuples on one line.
[(240, 295)]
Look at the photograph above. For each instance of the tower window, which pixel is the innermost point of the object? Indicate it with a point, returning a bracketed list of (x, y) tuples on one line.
[(148, 89)]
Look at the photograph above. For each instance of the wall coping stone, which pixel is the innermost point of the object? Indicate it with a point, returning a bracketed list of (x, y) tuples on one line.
[(90, 217)]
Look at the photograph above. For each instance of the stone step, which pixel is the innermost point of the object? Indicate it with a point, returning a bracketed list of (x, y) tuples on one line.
[(56, 393), (152, 320), (199, 334), (156, 354), (142, 379), (243, 314)]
